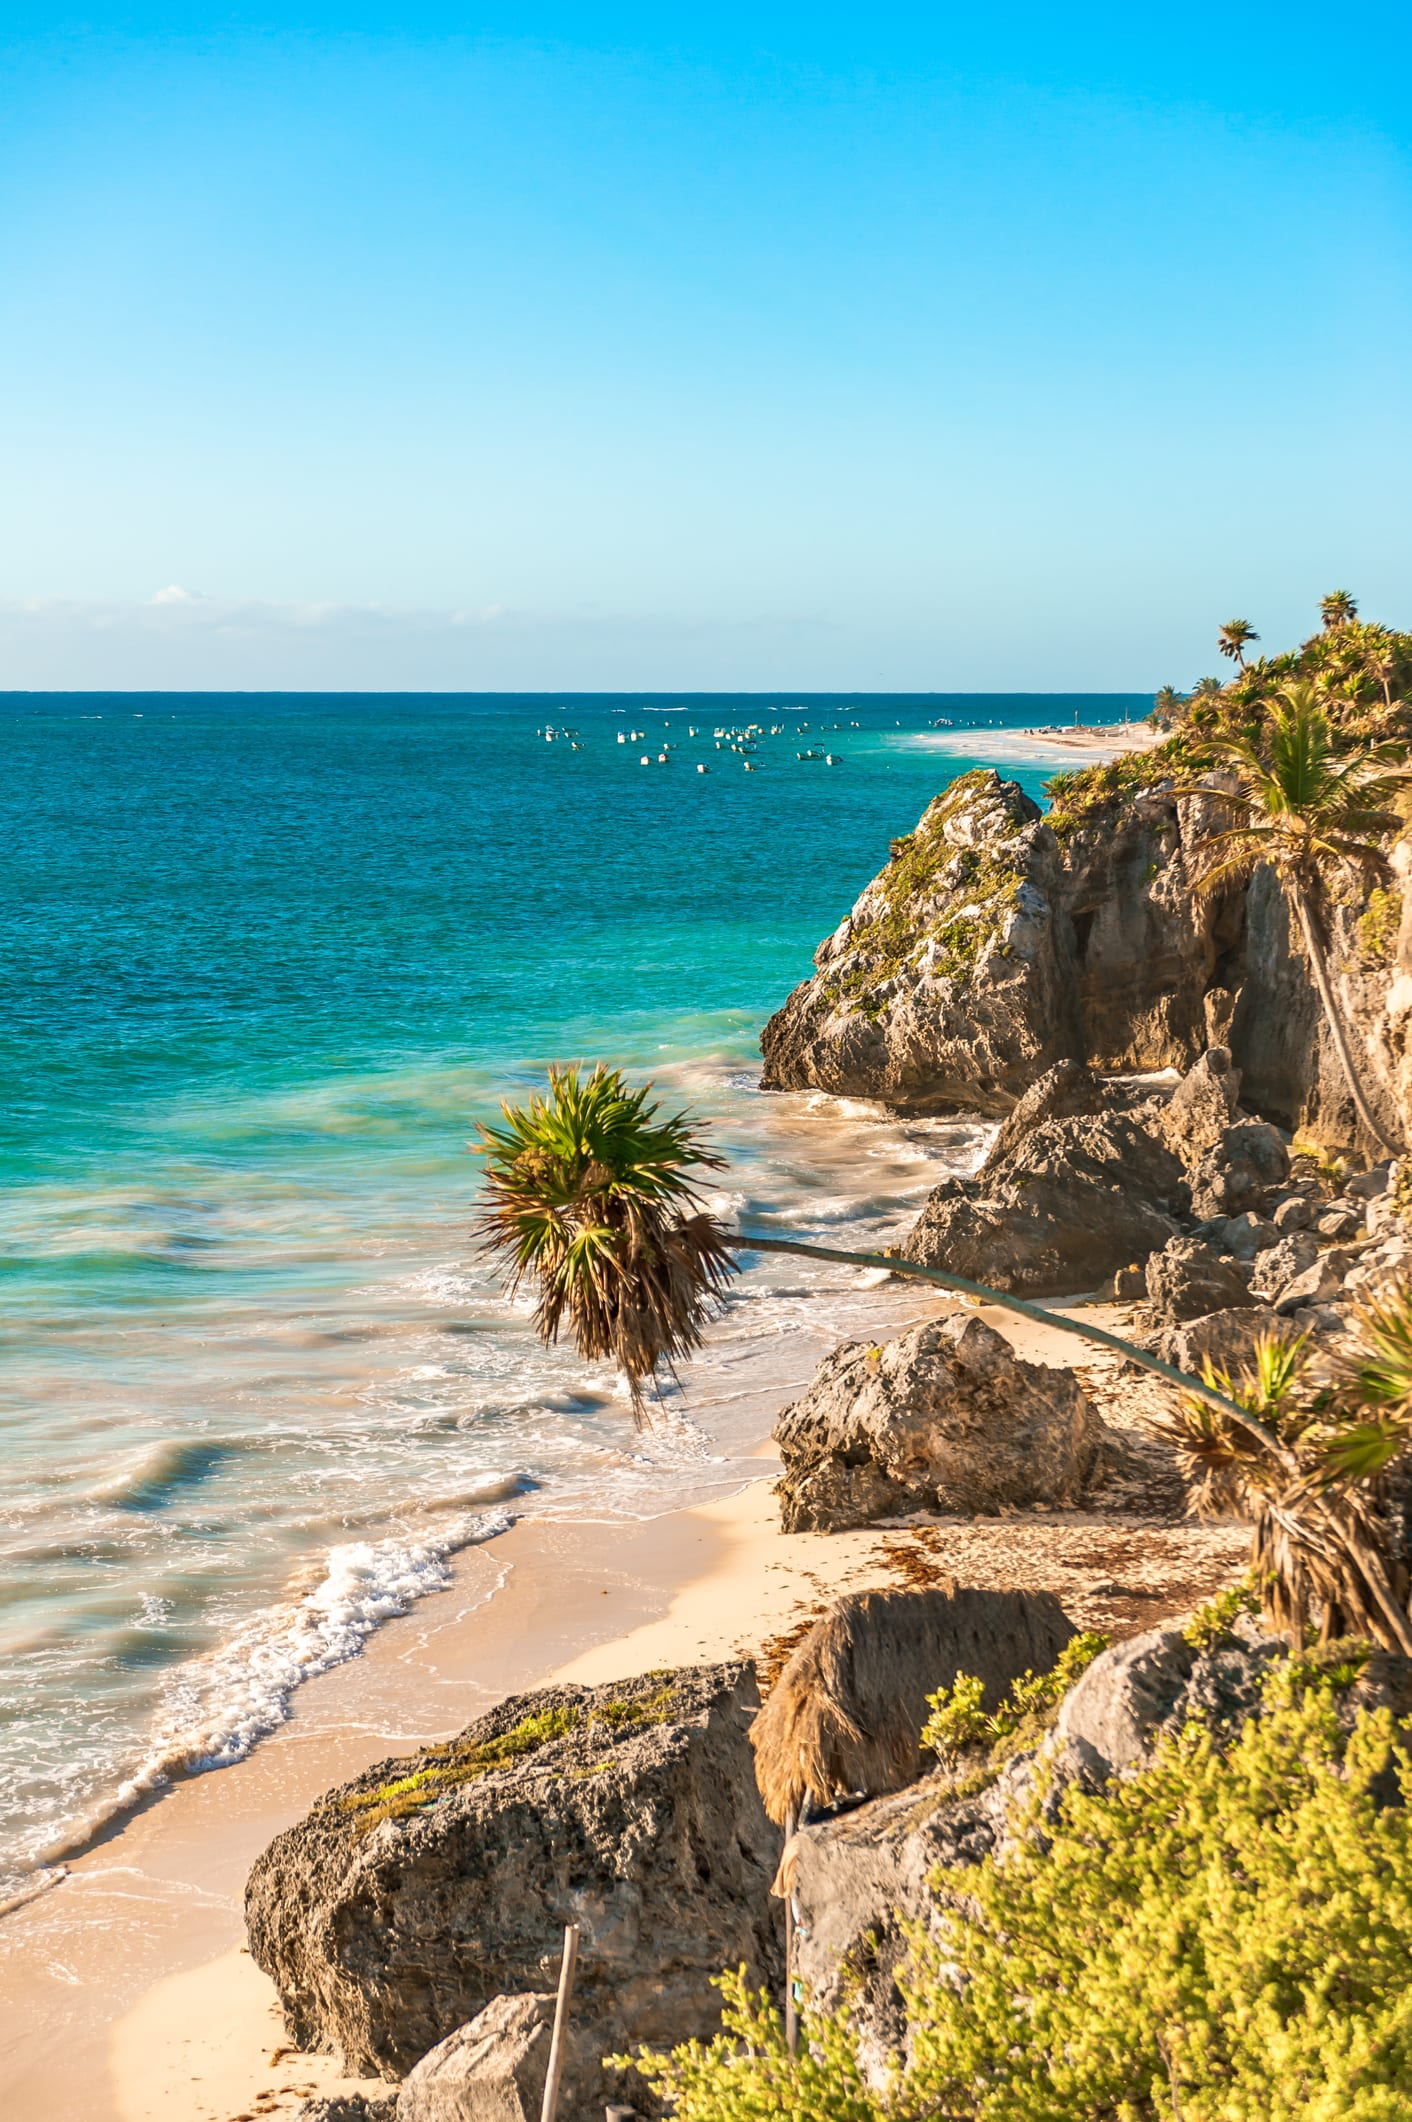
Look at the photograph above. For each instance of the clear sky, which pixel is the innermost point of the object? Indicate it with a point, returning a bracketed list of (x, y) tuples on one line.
[(863, 346)]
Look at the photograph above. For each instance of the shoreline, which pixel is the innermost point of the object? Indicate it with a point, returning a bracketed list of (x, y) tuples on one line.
[(130, 1996), (1059, 748)]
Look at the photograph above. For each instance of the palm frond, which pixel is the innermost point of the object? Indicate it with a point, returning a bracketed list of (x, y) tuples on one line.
[(590, 1197)]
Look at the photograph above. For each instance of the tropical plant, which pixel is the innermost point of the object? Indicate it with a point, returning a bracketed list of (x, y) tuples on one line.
[(1309, 810), (1236, 634), (1338, 609), (1166, 702), (1207, 689), (589, 1195), (1307, 1475), (589, 1198), (1221, 1936)]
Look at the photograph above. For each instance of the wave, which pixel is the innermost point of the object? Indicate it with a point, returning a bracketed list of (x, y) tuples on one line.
[(221, 1705)]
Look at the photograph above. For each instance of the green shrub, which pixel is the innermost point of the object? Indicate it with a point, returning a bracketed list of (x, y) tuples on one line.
[(1214, 1623), (960, 1719), (1224, 1935)]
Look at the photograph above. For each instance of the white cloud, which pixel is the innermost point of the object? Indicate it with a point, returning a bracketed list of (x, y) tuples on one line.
[(175, 594)]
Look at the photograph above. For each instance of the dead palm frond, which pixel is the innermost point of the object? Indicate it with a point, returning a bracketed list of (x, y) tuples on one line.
[(1311, 810), (588, 1196), (1322, 1545)]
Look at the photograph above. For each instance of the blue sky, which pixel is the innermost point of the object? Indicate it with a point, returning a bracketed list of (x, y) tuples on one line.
[(753, 347)]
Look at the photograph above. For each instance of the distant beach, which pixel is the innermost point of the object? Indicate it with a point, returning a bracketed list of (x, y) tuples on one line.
[(1056, 747)]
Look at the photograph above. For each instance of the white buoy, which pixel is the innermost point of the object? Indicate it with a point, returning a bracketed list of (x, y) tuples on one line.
[(703, 769), (644, 760)]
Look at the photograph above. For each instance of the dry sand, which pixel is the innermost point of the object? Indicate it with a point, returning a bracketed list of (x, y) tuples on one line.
[(128, 1996), (1058, 748)]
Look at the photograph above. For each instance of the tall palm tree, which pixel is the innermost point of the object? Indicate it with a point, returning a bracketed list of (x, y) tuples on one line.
[(1338, 609), (1166, 702), (1236, 634), (1309, 811)]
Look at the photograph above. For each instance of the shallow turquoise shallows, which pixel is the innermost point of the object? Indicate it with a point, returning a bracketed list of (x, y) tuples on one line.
[(265, 961)]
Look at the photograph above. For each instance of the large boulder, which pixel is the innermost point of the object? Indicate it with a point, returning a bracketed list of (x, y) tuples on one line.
[(1073, 1201), (1202, 1106), (946, 1417), (1237, 1172), (408, 1900), (1186, 1280), (1225, 1338), (1062, 1093), (944, 985), (493, 2068)]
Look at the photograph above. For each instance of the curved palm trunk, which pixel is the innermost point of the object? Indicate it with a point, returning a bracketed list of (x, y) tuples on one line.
[(1393, 1613), (1318, 961)]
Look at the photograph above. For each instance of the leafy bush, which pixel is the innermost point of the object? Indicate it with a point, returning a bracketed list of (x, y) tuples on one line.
[(1224, 1935), (1214, 1623), (960, 1719)]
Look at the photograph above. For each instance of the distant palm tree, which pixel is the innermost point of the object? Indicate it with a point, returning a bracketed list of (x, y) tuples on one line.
[(1309, 812), (1319, 1539), (1235, 635), (1207, 689), (1167, 701), (1337, 609), (590, 1198)]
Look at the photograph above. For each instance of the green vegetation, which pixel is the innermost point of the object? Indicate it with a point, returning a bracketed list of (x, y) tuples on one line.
[(1213, 1624), (1313, 807), (1304, 1469), (1088, 793), (959, 1719), (1380, 922), (454, 1764), (1221, 1937), (591, 1196), (920, 894)]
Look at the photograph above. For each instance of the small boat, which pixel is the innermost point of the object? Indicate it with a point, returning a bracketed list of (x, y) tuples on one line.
[(703, 769), (832, 759)]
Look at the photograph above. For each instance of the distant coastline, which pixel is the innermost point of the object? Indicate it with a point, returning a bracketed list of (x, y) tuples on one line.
[(1043, 747)]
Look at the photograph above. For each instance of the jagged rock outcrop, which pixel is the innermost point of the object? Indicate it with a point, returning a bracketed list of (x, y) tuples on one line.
[(407, 1901), (945, 985), (1202, 1107), (1113, 959), (946, 1417), (1073, 1201)]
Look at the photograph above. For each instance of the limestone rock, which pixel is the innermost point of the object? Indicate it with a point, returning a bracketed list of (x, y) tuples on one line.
[(1247, 1235), (1226, 1338), (405, 1902), (1075, 1200), (1235, 1175), (493, 2068), (1186, 1280), (1291, 1214), (1062, 1093), (946, 1417), (1366, 1186), (347, 2107), (1279, 1266), (944, 986), (1318, 1283), (1202, 1106)]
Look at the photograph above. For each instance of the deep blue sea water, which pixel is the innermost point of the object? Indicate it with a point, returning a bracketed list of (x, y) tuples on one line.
[(263, 962)]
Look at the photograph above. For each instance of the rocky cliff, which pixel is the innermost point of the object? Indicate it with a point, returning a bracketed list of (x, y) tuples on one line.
[(996, 943)]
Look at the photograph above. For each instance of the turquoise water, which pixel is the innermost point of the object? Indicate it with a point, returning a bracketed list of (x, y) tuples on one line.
[(265, 960)]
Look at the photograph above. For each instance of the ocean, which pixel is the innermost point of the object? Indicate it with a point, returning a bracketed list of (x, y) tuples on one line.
[(266, 961)]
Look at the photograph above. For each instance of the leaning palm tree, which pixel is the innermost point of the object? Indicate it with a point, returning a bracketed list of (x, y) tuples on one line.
[(1324, 1545), (591, 1199), (1338, 609), (1310, 812), (1235, 636)]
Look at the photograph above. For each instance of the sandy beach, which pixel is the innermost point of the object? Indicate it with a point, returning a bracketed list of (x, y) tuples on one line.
[(128, 1995), (1057, 748)]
